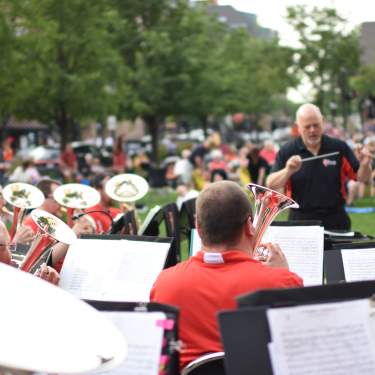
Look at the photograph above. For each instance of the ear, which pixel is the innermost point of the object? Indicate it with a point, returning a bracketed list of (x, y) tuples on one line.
[(197, 226), (249, 228)]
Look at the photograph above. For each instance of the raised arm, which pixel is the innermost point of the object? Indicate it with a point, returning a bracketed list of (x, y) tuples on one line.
[(278, 180)]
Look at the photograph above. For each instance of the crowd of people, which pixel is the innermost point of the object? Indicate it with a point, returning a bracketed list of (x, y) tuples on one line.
[(316, 170)]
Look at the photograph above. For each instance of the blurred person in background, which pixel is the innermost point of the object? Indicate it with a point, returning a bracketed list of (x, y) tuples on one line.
[(183, 169), (26, 172), (268, 152), (7, 149), (119, 159), (257, 166), (69, 163)]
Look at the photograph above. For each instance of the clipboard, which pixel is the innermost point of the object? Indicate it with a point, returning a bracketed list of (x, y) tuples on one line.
[(171, 349), (333, 263)]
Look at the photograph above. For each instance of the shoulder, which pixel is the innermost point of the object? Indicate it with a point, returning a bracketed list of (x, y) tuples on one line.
[(335, 143), (280, 277)]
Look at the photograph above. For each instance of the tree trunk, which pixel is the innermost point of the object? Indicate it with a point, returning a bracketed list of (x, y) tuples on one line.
[(204, 125), (153, 128), (65, 127)]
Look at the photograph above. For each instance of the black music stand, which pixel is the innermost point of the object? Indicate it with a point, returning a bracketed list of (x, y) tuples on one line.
[(171, 349), (333, 263), (172, 228), (126, 224), (170, 255), (187, 218), (245, 332), (152, 228)]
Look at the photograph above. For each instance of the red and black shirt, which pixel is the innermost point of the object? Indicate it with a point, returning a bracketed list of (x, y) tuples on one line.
[(320, 184)]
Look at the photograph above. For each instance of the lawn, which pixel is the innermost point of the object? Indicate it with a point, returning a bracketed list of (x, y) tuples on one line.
[(363, 223)]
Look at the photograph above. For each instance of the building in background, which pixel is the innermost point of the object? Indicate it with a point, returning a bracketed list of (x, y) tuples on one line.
[(235, 19)]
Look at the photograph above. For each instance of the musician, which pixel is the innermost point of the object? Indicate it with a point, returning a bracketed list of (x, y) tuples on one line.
[(211, 280), (317, 185), (47, 187), (45, 272), (103, 220)]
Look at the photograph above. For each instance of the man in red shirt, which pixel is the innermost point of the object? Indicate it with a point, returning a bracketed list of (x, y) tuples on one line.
[(102, 219), (211, 280)]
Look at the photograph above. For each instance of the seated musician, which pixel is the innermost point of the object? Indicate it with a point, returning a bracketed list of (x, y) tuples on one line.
[(45, 272), (103, 220), (47, 187), (50, 205), (224, 269)]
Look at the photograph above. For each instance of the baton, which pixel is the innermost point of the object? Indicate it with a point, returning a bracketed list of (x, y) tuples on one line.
[(320, 156)]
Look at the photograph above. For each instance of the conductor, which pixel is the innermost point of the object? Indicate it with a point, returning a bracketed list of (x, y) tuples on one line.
[(317, 185)]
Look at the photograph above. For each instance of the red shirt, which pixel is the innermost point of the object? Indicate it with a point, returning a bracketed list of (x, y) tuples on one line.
[(69, 159), (202, 289), (102, 221)]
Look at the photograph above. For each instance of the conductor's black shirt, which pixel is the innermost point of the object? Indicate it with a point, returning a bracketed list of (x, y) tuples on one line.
[(319, 186)]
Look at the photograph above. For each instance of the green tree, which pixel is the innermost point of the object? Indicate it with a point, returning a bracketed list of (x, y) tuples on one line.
[(328, 56), (73, 68)]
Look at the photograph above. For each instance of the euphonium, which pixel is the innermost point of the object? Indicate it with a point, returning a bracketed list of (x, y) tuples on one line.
[(75, 196), (50, 231), (21, 196), (268, 204), (127, 188)]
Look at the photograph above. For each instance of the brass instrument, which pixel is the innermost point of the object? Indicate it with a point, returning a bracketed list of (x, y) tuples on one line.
[(127, 188), (83, 339), (21, 196), (75, 196), (268, 204), (50, 231)]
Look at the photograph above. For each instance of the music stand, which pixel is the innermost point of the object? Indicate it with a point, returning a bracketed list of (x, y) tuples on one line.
[(333, 263), (187, 219), (170, 348), (126, 224), (172, 228), (247, 349), (152, 227)]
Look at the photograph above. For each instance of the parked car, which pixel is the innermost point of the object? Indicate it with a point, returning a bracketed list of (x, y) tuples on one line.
[(45, 158), (83, 148)]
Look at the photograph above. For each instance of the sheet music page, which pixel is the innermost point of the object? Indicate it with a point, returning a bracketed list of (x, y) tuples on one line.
[(196, 243), (144, 336), (116, 270), (359, 264), (324, 339), (303, 247)]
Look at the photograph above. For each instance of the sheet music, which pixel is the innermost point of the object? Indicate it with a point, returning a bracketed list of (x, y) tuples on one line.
[(303, 247), (359, 264), (324, 339), (196, 243), (116, 270), (144, 337)]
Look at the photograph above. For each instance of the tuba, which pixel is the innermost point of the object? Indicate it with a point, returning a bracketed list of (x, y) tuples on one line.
[(50, 231), (127, 188), (21, 196), (268, 204), (75, 196)]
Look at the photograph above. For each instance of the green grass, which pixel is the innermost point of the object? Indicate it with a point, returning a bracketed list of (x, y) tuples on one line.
[(363, 223)]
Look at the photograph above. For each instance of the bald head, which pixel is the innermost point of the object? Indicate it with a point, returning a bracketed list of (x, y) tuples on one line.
[(222, 209), (310, 125), (308, 110)]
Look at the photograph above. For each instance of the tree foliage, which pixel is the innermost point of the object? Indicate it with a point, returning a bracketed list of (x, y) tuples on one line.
[(329, 53), (75, 59)]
